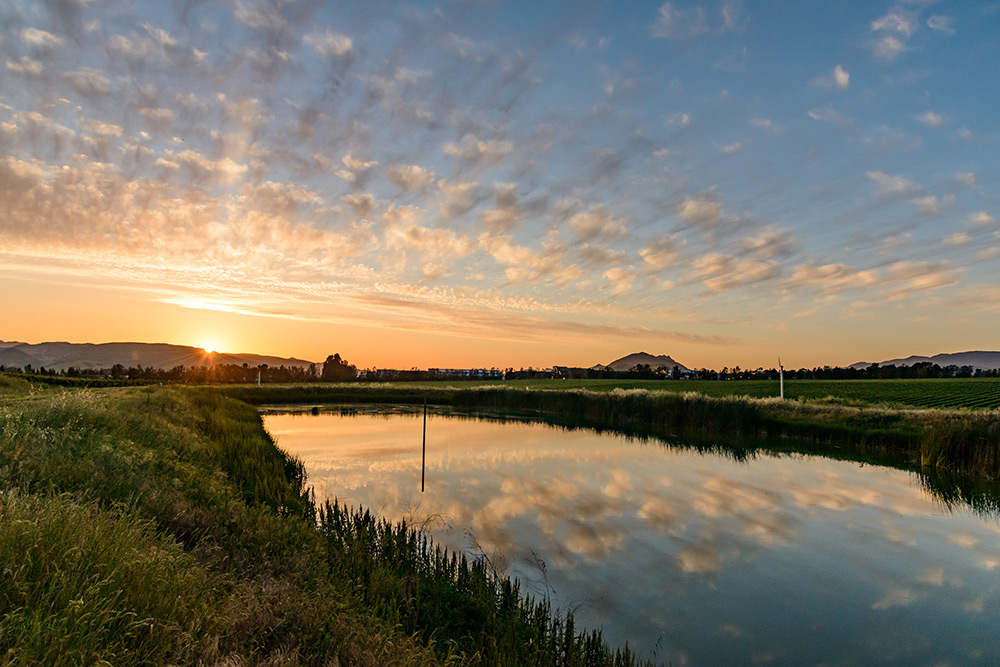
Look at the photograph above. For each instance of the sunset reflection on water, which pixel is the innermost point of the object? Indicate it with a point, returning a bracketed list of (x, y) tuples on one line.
[(699, 558)]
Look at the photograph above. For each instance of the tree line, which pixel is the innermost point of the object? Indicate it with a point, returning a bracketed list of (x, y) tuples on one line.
[(337, 369)]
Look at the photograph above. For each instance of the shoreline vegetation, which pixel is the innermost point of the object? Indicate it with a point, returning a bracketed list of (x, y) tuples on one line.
[(164, 526), (152, 525), (952, 441)]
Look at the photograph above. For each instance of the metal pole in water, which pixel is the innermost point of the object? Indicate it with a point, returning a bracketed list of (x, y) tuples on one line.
[(423, 454)]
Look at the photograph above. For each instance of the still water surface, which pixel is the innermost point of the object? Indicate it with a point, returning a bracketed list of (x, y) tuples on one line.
[(691, 558)]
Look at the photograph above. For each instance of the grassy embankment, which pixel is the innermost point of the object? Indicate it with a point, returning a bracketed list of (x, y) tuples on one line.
[(162, 526), (964, 442)]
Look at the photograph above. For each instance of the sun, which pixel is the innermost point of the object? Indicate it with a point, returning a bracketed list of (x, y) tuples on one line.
[(211, 347)]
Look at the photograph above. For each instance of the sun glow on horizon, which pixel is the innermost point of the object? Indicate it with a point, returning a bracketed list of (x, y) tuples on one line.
[(210, 347)]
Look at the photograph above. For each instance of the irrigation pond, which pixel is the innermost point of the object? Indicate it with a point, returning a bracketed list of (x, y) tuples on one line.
[(690, 557)]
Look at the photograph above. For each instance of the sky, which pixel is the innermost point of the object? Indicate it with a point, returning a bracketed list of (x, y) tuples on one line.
[(479, 184)]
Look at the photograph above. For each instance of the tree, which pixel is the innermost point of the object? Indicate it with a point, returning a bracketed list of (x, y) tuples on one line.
[(336, 369)]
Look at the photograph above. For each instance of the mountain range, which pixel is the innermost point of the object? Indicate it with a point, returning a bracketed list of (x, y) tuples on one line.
[(976, 359), (60, 356), (630, 361)]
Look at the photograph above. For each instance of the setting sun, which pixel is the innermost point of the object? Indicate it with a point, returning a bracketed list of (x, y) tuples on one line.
[(209, 347)]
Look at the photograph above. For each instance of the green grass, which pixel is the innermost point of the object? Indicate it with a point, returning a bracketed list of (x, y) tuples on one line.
[(163, 526), (924, 393), (972, 393)]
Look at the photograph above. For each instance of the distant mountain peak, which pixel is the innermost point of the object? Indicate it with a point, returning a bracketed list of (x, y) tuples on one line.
[(630, 361), (60, 356), (977, 359)]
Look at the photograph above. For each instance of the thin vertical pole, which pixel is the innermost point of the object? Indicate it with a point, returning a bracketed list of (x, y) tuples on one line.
[(781, 375), (423, 454)]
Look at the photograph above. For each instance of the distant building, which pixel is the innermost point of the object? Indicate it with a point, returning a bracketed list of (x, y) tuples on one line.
[(467, 373)]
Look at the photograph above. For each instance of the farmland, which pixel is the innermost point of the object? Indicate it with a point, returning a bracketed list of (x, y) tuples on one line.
[(976, 393)]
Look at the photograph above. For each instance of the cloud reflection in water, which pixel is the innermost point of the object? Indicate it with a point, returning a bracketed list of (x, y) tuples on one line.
[(769, 560)]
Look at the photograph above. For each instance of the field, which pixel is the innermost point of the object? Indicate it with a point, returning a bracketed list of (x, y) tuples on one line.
[(974, 393)]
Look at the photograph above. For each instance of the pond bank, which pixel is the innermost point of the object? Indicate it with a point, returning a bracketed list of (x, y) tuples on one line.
[(962, 442)]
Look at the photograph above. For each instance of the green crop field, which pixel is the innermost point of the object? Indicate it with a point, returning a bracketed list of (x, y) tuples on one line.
[(976, 393)]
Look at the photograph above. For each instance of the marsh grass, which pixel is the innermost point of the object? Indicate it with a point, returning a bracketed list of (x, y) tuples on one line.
[(163, 526), (961, 441)]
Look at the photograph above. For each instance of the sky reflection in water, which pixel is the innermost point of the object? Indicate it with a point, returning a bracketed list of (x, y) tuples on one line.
[(698, 558)]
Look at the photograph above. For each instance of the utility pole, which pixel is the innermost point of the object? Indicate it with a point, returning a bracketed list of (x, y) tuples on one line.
[(781, 378)]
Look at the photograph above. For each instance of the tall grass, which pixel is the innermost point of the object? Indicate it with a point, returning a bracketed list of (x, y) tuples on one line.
[(163, 526), (447, 600), (81, 585)]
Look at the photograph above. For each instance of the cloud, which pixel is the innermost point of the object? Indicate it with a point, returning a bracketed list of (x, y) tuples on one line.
[(224, 168), (930, 119), (25, 66), (660, 253), (840, 78), (361, 204), (968, 179), (472, 148), (832, 278), (769, 243), (596, 223), (944, 24), (410, 177), (760, 123), (102, 128), (88, 82), (703, 212), (460, 197), (892, 185), (523, 264), (357, 171), (673, 22), (720, 272), (329, 44), (40, 38), (621, 278), (505, 216), (895, 28), (982, 218)]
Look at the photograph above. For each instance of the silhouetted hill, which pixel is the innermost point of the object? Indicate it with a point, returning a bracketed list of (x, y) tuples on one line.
[(60, 356), (977, 359), (642, 358)]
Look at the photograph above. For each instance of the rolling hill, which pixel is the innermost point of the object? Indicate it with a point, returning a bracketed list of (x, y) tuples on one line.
[(976, 359), (60, 356)]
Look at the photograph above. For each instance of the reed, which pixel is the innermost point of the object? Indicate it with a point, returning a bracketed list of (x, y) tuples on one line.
[(163, 526), (961, 441)]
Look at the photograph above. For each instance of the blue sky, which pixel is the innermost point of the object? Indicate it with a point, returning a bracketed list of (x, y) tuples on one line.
[(484, 183)]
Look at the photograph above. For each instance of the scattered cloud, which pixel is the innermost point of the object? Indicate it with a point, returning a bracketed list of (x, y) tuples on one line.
[(892, 32), (410, 176), (968, 179), (702, 212), (944, 24), (930, 118), (839, 79), (660, 253), (892, 185), (470, 147), (596, 223), (329, 44)]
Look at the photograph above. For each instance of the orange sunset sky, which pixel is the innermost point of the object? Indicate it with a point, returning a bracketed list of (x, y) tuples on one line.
[(463, 184)]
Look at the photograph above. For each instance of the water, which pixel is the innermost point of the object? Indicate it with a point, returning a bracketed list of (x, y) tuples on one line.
[(696, 559)]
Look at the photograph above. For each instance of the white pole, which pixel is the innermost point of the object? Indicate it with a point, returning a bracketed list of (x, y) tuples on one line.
[(781, 378)]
